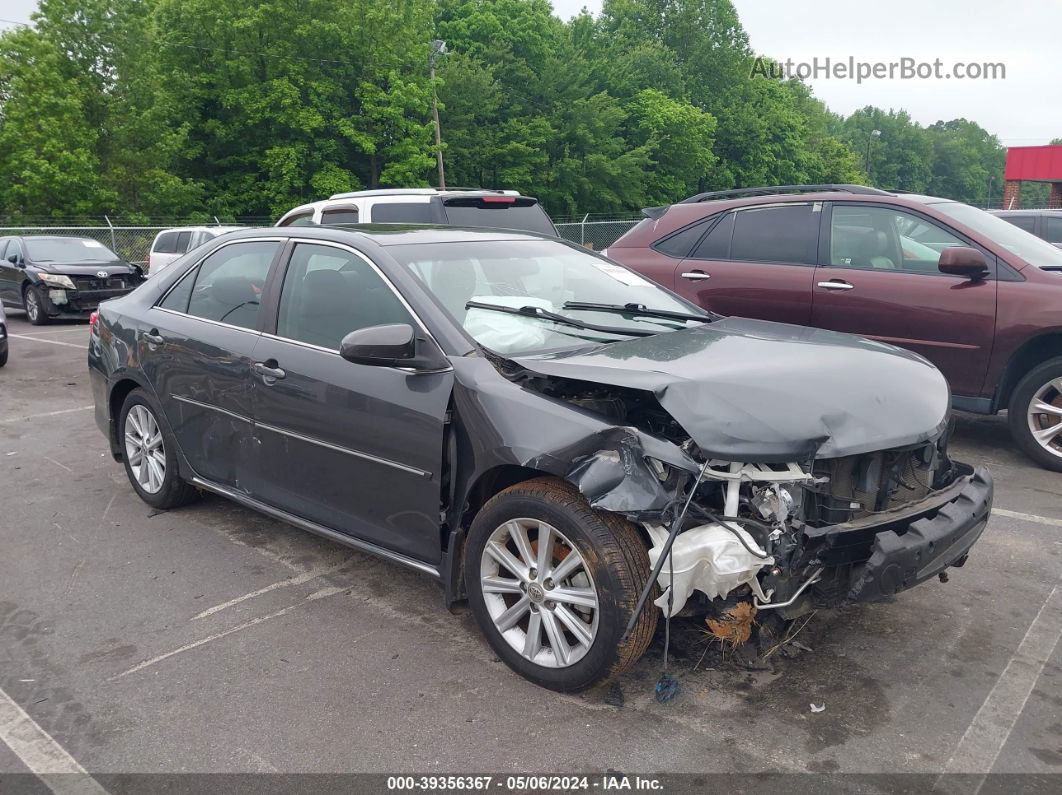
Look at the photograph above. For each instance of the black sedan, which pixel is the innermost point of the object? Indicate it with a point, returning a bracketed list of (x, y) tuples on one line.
[(61, 277), (538, 428)]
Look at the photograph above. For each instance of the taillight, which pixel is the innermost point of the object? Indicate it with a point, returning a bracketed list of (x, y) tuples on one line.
[(498, 199), (94, 320)]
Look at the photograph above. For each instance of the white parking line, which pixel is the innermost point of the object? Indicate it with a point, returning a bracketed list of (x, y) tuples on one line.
[(298, 580), (991, 727), (68, 330), (1028, 517), (324, 592), (45, 414), (50, 342), (39, 752)]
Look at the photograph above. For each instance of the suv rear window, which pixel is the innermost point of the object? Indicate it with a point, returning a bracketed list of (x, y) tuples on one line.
[(499, 212), (339, 215), (401, 213), (679, 243)]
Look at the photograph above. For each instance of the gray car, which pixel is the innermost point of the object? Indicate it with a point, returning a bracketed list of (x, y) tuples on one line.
[(536, 427), (3, 337)]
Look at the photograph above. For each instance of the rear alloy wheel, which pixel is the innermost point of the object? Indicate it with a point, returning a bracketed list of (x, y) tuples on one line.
[(33, 301), (150, 454), (552, 584), (1035, 414)]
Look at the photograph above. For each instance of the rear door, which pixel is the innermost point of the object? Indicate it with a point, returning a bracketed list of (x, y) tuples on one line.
[(353, 447), (756, 262), (195, 347), (880, 280), (7, 276)]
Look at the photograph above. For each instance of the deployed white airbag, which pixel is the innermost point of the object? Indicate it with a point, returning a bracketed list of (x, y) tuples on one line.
[(708, 558), (504, 332)]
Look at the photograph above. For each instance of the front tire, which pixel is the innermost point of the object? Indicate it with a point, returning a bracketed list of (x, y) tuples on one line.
[(33, 302), (552, 584), (1035, 414), (150, 454)]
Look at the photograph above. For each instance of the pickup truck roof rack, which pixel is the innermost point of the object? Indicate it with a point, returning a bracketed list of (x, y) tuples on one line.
[(771, 189)]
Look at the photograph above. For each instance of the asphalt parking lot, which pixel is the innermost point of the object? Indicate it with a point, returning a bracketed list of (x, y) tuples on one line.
[(212, 639)]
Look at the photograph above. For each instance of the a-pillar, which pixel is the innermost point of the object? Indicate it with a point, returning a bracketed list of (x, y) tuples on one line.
[(1011, 194)]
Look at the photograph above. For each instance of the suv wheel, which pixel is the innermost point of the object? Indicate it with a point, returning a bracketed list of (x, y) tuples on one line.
[(1035, 414), (33, 302), (150, 454), (552, 584)]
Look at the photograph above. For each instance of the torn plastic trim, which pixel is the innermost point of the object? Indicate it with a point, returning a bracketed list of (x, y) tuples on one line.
[(707, 558)]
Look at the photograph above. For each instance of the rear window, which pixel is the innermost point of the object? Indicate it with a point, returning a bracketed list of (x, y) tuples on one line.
[(1054, 229), (717, 244), (499, 212), (340, 215), (788, 233), (183, 239), (401, 213), (680, 243), (1026, 222)]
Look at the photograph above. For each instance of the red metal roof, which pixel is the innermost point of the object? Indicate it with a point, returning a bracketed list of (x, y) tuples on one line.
[(1034, 163)]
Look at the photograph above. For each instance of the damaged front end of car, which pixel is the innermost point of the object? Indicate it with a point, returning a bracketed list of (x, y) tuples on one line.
[(836, 521)]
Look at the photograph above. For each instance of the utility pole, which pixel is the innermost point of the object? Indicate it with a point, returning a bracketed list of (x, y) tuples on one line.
[(870, 139), (438, 47)]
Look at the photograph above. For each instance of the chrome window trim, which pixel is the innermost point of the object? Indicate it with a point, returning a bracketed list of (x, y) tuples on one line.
[(208, 320), (348, 451), (383, 277)]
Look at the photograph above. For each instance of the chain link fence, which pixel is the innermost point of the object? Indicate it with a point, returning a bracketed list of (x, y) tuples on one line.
[(595, 234)]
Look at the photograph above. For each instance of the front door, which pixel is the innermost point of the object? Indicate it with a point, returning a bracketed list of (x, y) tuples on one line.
[(757, 262), (881, 281), (196, 349), (353, 447)]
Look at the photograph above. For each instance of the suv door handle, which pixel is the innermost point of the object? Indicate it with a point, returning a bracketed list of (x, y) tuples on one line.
[(836, 284), (696, 276), (153, 337), (269, 371)]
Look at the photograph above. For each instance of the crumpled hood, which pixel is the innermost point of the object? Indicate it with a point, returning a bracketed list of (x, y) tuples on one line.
[(752, 390)]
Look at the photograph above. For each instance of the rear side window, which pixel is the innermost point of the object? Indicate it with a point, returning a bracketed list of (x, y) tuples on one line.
[(229, 283), (183, 239), (302, 219), (499, 212), (401, 213), (680, 243), (717, 244), (329, 292), (1053, 230), (340, 215), (166, 243), (1026, 222), (788, 233)]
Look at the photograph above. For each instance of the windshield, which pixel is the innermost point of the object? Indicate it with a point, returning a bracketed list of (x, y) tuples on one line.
[(537, 273), (1017, 241), (67, 249)]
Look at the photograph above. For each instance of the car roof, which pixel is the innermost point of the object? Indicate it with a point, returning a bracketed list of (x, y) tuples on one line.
[(359, 194), (1048, 211), (202, 228)]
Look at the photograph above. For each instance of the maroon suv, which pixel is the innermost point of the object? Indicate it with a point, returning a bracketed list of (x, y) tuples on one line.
[(977, 296)]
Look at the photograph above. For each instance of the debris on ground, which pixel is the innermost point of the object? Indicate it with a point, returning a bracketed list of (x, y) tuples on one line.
[(667, 687), (733, 627), (817, 707)]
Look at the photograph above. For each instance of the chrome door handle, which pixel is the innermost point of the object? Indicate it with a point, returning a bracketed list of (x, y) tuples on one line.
[(696, 276), (153, 337), (268, 373), (836, 285)]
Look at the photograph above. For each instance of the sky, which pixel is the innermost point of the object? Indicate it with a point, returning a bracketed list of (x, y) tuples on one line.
[(1024, 109)]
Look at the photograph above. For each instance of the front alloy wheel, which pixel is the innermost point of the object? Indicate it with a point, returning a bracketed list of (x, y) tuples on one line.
[(539, 593), (34, 305), (552, 584), (1035, 414)]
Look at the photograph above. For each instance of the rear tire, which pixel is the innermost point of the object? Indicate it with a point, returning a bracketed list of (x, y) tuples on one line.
[(1039, 433), (150, 454), (560, 621), (33, 302), (3, 355)]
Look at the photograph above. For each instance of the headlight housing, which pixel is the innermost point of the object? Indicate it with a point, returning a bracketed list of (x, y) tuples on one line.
[(57, 280)]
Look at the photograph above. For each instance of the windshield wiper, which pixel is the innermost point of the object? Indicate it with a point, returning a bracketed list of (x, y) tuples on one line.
[(638, 310), (544, 314)]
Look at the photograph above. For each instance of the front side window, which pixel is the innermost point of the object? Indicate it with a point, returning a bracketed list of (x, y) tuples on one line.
[(1053, 230), (329, 292), (1026, 222), (787, 234), (1017, 241), (884, 238), (531, 275), (229, 283)]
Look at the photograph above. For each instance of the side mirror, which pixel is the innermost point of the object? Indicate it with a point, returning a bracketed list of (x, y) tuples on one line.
[(13, 259), (394, 345), (963, 261)]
